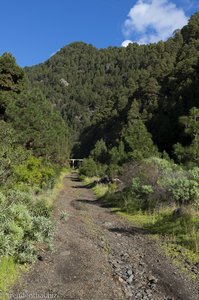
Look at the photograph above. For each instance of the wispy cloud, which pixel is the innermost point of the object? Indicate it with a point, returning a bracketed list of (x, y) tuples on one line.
[(150, 21), (54, 52)]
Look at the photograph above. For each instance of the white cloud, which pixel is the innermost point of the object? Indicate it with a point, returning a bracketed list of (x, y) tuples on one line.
[(153, 20), (126, 43), (55, 52)]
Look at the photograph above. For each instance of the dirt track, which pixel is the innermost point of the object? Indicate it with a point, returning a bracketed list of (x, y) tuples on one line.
[(98, 256)]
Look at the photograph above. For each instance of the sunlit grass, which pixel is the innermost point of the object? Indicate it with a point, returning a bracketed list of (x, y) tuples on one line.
[(9, 272), (100, 190), (178, 231), (88, 180), (50, 196)]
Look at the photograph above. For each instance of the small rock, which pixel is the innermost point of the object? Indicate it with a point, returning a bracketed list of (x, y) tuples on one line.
[(129, 272), (108, 224), (125, 255), (141, 264), (130, 279), (66, 253), (118, 234), (152, 279), (153, 286), (115, 263), (138, 295), (120, 279)]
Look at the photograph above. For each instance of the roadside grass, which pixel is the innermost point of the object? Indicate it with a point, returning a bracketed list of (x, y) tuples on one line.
[(100, 190), (181, 233), (9, 273), (50, 196), (181, 230), (11, 270), (178, 236), (89, 180)]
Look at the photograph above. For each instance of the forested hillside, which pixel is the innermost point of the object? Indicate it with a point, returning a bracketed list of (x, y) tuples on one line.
[(95, 89)]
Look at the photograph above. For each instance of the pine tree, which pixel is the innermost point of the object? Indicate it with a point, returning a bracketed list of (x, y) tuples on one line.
[(138, 141), (189, 153)]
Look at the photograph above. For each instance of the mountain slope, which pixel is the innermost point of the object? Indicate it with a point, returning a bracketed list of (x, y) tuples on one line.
[(94, 89)]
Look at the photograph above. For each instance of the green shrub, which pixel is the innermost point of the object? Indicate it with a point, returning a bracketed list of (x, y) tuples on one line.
[(22, 224), (20, 197), (194, 174), (137, 197), (184, 191), (41, 208), (2, 200), (26, 252), (34, 172), (114, 170), (21, 216), (42, 230), (90, 168)]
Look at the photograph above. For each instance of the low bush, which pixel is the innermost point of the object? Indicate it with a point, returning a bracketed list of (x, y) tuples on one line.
[(24, 219), (91, 168), (156, 182), (184, 190), (35, 173)]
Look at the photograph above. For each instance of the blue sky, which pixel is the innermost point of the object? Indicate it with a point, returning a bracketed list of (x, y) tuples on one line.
[(34, 29)]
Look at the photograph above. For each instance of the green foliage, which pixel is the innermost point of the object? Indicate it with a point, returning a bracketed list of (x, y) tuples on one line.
[(95, 89), (33, 135), (114, 170), (90, 168), (35, 173), (184, 190), (39, 126), (138, 197), (9, 272), (11, 75), (117, 154), (64, 215), (23, 222), (137, 139), (181, 232), (155, 183), (99, 153), (10, 152), (190, 153)]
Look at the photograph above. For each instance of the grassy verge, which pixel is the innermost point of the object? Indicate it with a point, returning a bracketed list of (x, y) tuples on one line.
[(50, 196), (182, 231), (10, 270), (178, 236), (99, 189), (88, 180)]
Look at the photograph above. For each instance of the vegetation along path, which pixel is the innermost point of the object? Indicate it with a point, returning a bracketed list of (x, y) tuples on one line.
[(100, 257)]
